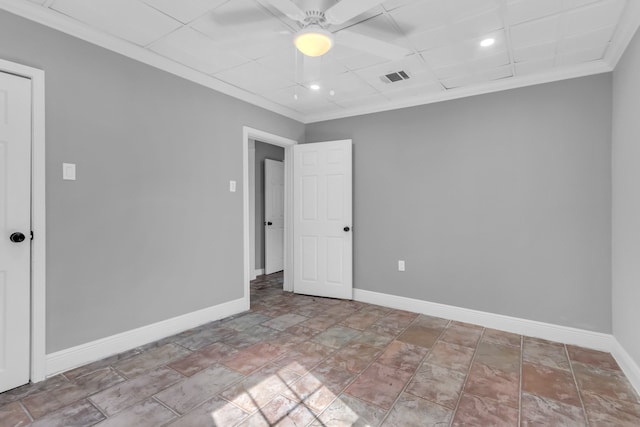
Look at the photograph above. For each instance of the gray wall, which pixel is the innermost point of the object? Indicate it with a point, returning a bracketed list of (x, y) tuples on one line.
[(499, 202), (149, 230), (626, 200), (263, 151)]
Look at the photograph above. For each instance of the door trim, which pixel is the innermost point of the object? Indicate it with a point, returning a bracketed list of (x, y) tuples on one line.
[(259, 135), (38, 208)]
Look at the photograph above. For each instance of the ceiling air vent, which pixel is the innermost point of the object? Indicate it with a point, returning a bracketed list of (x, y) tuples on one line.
[(395, 77)]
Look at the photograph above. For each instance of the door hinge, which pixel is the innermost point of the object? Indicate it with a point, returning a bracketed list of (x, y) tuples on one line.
[(32, 235)]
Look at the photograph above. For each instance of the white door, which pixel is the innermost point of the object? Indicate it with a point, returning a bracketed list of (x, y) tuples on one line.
[(273, 216), (15, 225), (322, 216)]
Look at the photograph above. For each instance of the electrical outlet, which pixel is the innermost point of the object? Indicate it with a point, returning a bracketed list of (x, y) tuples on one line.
[(401, 265), (232, 186)]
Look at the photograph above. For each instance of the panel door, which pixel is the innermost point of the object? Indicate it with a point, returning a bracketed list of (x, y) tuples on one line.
[(323, 239), (274, 216), (15, 220)]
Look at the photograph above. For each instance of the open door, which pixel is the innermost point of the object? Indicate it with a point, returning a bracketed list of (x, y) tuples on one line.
[(322, 219), (15, 227), (273, 216)]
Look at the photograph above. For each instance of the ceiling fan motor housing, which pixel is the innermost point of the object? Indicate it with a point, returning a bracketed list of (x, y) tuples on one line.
[(315, 17)]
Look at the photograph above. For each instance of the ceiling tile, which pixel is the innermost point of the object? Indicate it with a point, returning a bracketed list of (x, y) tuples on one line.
[(477, 26), (285, 60), (184, 10), (535, 52), (431, 39), (312, 110), (319, 69), (586, 41), (414, 91), (285, 96), (490, 62), (598, 15), (451, 71), (577, 57), (197, 51), (354, 59), (466, 51), (379, 27), (536, 32), (122, 18), (299, 98), (519, 11), (345, 86), (534, 67), (255, 46), (394, 4), (236, 18), (300, 69), (488, 76), (572, 4), (254, 77), (421, 16), (369, 101), (461, 9)]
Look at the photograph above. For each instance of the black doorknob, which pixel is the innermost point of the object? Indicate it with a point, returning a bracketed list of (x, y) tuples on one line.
[(269, 223), (346, 229), (17, 237)]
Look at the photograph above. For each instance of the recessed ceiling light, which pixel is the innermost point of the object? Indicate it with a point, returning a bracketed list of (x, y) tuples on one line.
[(487, 42), (314, 87)]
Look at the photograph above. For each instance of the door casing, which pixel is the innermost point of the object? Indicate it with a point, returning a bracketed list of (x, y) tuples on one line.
[(38, 209), (249, 133)]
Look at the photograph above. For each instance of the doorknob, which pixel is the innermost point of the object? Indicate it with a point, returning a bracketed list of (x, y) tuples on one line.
[(269, 223), (346, 228), (17, 237)]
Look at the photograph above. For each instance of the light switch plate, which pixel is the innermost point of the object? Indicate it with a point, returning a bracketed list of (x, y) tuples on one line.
[(232, 186), (69, 171), (401, 265)]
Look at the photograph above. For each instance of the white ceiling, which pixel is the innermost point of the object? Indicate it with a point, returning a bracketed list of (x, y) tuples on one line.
[(244, 47)]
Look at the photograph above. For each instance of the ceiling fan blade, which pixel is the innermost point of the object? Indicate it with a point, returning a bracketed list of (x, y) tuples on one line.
[(370, 45), (288, 8), (347, 9)]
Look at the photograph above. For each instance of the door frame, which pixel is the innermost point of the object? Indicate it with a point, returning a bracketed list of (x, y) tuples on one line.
[(262, 136), (38, 223)]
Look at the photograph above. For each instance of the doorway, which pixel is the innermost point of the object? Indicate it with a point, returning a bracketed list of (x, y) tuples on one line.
[(268, 207), (253, 223)]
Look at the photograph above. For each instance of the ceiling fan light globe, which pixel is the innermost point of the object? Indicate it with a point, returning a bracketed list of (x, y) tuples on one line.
[(313, 41)]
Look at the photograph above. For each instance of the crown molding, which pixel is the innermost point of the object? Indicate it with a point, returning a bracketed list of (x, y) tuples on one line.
[(586, 69), (628, 26), (60, 22)]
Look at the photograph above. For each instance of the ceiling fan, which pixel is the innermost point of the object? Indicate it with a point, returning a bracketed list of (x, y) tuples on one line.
[(316, 38)]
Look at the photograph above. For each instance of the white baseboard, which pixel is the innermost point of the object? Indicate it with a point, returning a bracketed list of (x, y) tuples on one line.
[(627, 364), (259, 271), (73, 357), (531, 328)]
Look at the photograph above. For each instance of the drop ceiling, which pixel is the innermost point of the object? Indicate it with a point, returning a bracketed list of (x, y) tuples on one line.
[(244, 47)]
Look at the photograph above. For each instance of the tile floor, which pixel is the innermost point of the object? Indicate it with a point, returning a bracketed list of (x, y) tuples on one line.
[(305, 361)]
